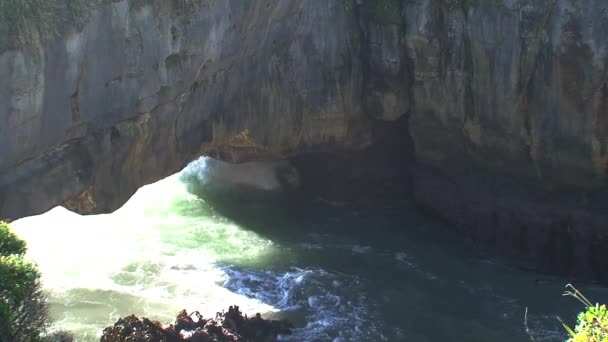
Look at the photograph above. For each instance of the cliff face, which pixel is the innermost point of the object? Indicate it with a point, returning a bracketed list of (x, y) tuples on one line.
[(495, 112), (143, 89), (509, 126)]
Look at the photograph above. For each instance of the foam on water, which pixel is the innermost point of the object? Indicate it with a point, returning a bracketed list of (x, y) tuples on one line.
[(154, 256), (334, 306)]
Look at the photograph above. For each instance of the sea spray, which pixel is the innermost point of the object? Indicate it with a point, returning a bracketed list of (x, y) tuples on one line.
[(154, 256), (266, 176)]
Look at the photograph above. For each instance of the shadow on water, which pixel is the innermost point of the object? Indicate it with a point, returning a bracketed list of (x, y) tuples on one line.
[(383, 274)]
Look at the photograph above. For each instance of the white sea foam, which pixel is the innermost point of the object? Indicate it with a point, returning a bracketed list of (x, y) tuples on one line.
[(151, 257), (259, 175)]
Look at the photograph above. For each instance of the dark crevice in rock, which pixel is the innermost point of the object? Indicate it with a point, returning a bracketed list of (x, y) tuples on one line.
[(527, 86), (377, 175), (382, 52), (363, 50)]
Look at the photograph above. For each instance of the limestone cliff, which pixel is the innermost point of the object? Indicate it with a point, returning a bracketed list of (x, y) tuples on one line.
[(496, 111), (144, 89), (509, 126)]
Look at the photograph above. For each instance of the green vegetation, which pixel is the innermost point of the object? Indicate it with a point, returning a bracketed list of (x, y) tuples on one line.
[(592, 324), (138, 4), (384, 12), (23, 307), (176, 60), (182, 6), (26, 22), (31, 22), (465, 5), (79, 11), (10, 244), (387, 12), (461, 4)]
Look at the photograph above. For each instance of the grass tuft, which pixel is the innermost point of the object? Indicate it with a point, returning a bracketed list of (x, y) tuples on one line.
[(592, 325)]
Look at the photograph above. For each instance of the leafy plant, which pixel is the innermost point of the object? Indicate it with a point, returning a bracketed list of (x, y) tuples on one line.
[(23, 307), (9, 242), (592, 324)]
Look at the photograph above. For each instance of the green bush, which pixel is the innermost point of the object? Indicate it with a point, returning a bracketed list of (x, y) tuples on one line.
[(592, 324), (26, 22), (31, 22), (23, 307), (9, 242)]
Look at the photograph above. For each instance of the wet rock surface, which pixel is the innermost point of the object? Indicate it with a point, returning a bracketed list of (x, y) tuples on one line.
[(230, 326)]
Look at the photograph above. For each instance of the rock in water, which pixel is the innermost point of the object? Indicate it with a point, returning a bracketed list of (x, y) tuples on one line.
[(133, 329), (231, 326)]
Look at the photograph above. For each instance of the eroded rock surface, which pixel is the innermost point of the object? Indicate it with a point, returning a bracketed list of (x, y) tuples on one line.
[(144, 89), (231, 326), (499, 108)]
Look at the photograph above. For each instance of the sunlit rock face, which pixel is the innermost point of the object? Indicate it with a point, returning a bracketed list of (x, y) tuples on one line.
[(505, 103), (145, 88)]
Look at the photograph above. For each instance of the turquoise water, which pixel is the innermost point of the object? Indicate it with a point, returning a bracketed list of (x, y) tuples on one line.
[(193, 241)]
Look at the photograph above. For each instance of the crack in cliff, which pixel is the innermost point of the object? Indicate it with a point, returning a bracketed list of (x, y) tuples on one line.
[(526, 89), (75, 100), (523, 101), (364, 56), (599, 143), (191, 88)]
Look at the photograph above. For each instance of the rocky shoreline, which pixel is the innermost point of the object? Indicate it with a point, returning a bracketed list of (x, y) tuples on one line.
[(230, 326)]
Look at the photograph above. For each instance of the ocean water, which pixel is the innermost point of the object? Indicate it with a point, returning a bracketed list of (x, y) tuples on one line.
[(213, 236)]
